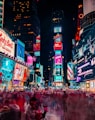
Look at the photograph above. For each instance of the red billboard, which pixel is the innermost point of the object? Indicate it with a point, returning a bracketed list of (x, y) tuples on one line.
[(36, 47), (58, 46), (38, 38)]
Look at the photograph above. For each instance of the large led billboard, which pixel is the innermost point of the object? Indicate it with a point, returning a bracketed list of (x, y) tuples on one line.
[(57, 29), (7, 46), (58, 78), (37, 53), (58, 46), (58, 59), (86, 70), (38, 39), (36, 47), (88, 6), (6, 68), (26, 73), (20, 52), (58, 38), (29, 60), (18, 72), (58, 52)]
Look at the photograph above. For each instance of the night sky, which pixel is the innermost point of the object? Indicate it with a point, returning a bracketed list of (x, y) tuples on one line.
[(45, 8)]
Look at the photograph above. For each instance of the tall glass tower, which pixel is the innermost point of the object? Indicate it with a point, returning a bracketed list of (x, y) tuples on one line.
[(58, 73), (24, 21)]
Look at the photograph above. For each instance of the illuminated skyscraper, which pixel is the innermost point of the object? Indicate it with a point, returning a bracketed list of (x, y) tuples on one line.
[(58, 58), (1, 13), (24, 21)]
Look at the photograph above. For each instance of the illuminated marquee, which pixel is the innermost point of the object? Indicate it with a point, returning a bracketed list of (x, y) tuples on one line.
[(7, 46)]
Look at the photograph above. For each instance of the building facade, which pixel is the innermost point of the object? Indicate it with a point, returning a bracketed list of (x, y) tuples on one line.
[(24, 21)]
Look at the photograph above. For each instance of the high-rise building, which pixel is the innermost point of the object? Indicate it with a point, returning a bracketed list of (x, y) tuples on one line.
[(1, 13), (89, 16), (24, 21), (58, 58)]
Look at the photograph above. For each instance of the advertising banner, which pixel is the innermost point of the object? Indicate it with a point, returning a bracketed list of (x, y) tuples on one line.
[(29, 60), (36, 47), (58, 38), (25, 74), (38, 38), (18, 72), (58, 59), (20, 52), (7, 46), (37, 53), (58, 52), (6, 68), (57, 29), (58, 46), (58, 78)]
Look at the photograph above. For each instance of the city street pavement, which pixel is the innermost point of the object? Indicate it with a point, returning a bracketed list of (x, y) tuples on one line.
[(54, 114)]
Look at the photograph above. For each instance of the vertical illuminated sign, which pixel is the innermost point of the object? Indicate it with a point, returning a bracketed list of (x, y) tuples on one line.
[(20, 50)]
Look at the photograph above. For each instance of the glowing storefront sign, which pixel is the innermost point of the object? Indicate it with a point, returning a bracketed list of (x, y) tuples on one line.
[(58, 59), (7, 46), (25, 74)]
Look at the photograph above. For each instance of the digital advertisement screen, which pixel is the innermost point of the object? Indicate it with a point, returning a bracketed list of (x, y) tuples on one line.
[(57, 29), (20, 52), (86, 60), (6, 68), (18, 72), (36, 47), (86, 70), (58, 78), (58, 46), (29, 60), (58, 59), (38, 39), (58, 52), (37, 53), (26, 74), (7, 46), (37, 65), (58, 38)]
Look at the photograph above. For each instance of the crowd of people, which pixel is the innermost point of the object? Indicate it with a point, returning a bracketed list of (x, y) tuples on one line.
[(47, 105)]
